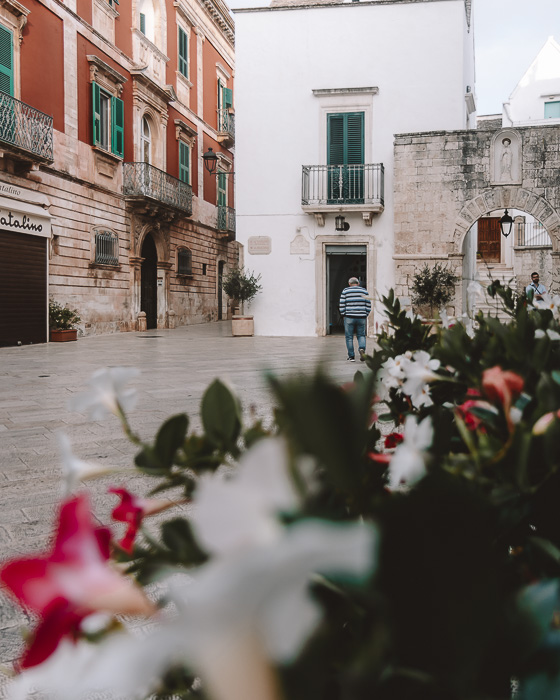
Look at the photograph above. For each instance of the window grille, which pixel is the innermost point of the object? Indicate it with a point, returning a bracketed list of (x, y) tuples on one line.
[(184, 261), (106, 248)]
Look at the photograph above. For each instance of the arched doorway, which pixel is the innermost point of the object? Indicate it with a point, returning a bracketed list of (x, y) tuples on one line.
[(148, 281)]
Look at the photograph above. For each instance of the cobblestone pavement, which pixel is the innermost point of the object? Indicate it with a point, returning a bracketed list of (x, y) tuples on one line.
[(176, 366)]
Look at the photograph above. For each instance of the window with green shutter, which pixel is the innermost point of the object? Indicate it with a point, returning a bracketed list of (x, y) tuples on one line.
[(143, 23), (107, 120), (552, 110), (6, 61), (184, 162), (220, 94), (345, 149), (183, 53), (227, 97), (222, 189)]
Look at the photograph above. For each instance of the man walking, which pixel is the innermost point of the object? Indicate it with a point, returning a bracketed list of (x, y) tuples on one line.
[(355, 306), (534, 291)]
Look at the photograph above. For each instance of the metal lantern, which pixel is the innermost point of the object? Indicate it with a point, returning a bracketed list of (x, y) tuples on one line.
[(506, 222), (340, 224), (210, 161)]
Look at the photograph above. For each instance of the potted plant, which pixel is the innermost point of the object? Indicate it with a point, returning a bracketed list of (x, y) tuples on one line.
[(433, 288), (62, 322), (241, 286)]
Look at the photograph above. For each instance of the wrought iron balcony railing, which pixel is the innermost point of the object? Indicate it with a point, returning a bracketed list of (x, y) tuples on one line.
[(226, 123), (26, 128), (531, 234), (226, 219), (143, 180), (324, 185)]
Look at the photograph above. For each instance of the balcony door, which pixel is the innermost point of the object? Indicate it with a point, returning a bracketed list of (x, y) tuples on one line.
[(345, 156)]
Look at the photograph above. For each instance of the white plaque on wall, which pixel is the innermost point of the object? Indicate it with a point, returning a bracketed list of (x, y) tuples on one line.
[(299, 246), (259, 245)]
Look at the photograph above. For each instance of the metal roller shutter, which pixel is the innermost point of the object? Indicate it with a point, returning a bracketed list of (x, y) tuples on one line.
[(23, 289)]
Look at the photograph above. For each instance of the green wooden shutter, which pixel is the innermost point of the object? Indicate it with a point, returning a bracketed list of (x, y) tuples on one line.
[(6, 61), (143, 23), (335, 139), (183, 53), (96, 113), (345, 138), (184, 162), (117, 126), (552, 110), (222, 189), (355, 138), (227, 97)]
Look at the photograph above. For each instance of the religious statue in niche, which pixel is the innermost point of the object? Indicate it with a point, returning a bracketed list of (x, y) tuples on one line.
[(507, 157)]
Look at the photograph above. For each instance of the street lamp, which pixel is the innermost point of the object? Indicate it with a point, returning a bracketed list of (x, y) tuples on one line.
[(340, 224), (506, 222), (210, 161)]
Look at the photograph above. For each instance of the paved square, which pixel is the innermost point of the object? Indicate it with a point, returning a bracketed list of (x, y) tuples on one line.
[(176, 366)]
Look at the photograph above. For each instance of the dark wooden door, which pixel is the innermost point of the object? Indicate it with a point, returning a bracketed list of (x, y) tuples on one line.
[(23, 289), (148, 292), (489, 239)]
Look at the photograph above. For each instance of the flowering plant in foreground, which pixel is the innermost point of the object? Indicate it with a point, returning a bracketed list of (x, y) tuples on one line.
[(394, 538)]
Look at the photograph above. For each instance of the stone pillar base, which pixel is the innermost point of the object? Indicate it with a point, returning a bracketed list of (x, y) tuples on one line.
[(142, 322)]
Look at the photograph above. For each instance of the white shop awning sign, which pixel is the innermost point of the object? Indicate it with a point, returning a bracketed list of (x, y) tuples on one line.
[(23, 217)]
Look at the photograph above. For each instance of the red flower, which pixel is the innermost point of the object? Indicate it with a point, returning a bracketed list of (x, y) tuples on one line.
[(133, 510), (502, 387), (393, 440), (379, 457), (70, 582), (472, 421)]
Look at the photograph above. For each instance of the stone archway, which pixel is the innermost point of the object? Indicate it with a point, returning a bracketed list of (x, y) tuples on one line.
[(507, 198), (159, 234)]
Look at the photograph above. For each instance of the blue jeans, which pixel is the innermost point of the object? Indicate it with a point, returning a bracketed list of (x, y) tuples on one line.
[(354, 326)]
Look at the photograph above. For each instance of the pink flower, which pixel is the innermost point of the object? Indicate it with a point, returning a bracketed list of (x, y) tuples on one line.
[(133, 510), (70, 582), (544, 422), (472, 421), (502, 387)]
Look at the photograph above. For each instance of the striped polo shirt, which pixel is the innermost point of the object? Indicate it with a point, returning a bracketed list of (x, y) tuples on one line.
[(353, 302)]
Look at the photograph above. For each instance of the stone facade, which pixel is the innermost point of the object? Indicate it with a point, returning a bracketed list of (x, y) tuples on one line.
[(446, 181)]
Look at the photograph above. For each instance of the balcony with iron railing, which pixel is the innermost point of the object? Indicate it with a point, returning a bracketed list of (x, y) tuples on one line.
[(330, 188), (226, 126), (531, 234), (143, 182), (226, 221), (25, 132)]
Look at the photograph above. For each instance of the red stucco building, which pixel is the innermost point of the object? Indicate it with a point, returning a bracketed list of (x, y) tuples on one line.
[(106, 110)]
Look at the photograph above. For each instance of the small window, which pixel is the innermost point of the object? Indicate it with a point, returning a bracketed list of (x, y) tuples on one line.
[(203, 268), (146, 140), (108, 121), (106, 248), (184, 261), (143, 23), (552, 110), (183, 53)]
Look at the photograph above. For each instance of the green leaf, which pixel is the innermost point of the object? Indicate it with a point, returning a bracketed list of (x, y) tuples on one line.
[(221, 415), (147, 460), (179, 539), (556, 376), (170, 438)]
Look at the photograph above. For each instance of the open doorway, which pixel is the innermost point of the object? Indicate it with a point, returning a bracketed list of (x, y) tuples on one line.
[(343, 262), (148, 285)]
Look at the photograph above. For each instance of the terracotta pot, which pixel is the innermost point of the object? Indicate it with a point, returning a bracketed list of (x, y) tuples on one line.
[(62, 336), (242, 325)]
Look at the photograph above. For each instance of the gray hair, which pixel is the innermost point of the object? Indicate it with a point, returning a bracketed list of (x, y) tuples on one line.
[(353, 280)]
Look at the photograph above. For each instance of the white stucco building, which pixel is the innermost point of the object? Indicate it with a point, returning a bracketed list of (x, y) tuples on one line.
[(322, 87)]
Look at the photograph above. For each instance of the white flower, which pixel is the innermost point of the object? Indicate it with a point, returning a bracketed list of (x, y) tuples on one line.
[(548, 302), (75, 470), (107, 393), (468, 323), (444, 318), (239, 510), (475, 292), (418, 373), (553, 335), (408, 461)]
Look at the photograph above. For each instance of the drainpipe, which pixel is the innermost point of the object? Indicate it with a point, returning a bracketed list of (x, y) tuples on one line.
[(507, 114)]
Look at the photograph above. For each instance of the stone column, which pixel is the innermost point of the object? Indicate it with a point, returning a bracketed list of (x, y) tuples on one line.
[(136, 285), (163, 269)]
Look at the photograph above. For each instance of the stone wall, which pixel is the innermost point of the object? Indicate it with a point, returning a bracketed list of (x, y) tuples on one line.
[(445, 181)]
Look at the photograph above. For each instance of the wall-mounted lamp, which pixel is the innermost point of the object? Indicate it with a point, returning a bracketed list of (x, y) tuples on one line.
[(210, 161), (506, 222), (340, 223)]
